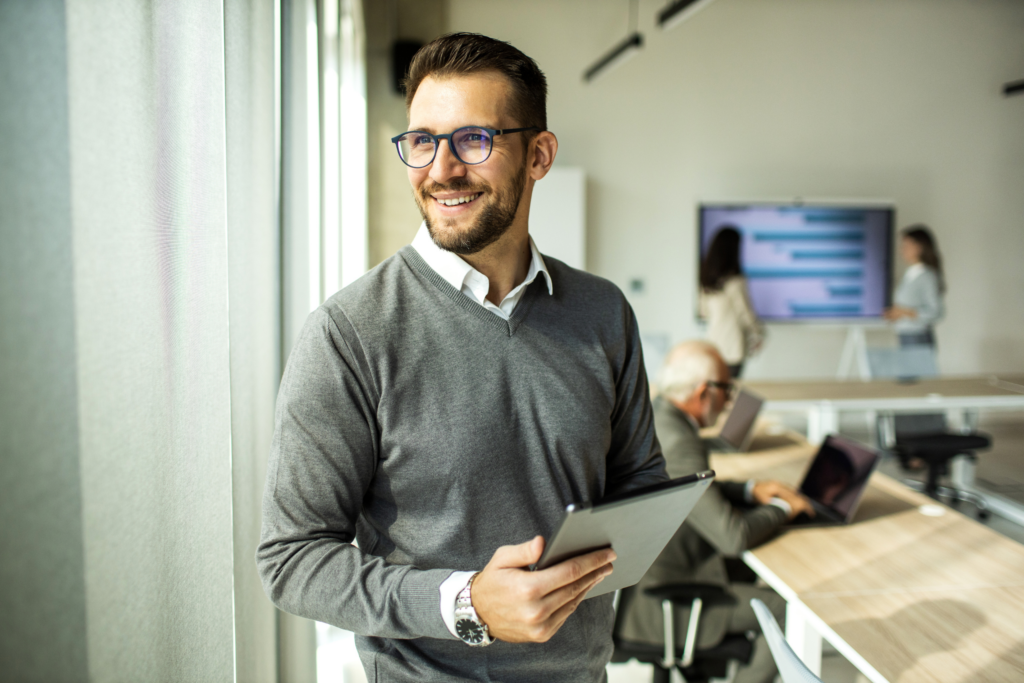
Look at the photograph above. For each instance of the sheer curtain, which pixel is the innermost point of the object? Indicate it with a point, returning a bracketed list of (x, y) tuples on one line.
[(147, 302)]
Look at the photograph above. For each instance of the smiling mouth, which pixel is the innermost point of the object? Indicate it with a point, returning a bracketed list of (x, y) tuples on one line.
[(455, 201)]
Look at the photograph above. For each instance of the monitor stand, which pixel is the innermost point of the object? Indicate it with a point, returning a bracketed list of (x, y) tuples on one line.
[(855, 353)]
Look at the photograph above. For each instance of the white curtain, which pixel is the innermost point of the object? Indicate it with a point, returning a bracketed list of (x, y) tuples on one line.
[(160, 239)]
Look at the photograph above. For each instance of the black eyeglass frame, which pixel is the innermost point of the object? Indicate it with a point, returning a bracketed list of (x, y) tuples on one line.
[(728, 387), (493, 132)]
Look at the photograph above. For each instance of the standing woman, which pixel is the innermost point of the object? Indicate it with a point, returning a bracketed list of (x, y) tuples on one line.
[(733, 326), (918, 298)]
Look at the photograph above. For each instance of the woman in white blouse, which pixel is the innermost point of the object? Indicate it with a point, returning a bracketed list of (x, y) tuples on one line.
[(918, 301), (733, 326)]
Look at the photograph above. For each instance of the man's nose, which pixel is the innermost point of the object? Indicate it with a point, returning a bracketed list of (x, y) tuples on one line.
[(446, 165)]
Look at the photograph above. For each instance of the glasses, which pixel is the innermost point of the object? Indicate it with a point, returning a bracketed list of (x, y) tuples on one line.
[(728, 387), (471, 145)]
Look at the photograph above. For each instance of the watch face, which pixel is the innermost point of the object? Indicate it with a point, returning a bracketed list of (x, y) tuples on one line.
[(469, 631)]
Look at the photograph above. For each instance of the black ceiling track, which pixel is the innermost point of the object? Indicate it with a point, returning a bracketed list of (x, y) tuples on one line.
[(1013, 88)]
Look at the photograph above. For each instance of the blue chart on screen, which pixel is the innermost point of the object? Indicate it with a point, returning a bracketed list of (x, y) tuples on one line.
[(809, 262)]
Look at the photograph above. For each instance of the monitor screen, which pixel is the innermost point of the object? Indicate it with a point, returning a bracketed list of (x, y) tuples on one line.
[(809, 262)]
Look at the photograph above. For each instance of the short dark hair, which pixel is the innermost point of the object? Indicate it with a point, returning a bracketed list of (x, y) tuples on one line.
[(458, 54), (722, 260)]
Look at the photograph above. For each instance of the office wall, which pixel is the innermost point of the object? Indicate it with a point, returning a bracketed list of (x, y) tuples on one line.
[(393, 217), (819, 99)]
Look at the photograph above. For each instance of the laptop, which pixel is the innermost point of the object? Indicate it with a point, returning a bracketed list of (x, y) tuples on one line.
[(738, 430), (836, 481)]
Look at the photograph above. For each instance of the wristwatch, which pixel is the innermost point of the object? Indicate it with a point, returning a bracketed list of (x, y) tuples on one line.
[(467, 624)]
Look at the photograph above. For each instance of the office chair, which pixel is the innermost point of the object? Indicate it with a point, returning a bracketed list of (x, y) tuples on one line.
[(791, 668), (932, 444), (936, 450), (696, 665), (924, 438)]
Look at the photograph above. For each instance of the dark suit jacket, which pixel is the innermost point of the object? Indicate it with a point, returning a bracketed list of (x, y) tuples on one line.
[(721, 524)]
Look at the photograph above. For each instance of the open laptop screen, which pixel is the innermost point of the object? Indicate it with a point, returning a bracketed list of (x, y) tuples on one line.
[(837, 477), (741, 419)]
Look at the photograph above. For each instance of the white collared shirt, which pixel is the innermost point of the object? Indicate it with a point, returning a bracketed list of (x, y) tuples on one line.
[(475, 285), (471, 281)]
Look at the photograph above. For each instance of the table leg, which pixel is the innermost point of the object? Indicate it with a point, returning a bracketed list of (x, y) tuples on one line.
[(822, 420), (962, 473), (886, 431), (801, 636)]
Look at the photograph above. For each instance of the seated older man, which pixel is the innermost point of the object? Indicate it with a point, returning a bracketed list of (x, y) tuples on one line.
[(730, 518)]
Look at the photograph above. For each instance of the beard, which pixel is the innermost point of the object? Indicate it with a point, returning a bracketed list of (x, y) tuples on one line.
[(494, 221)]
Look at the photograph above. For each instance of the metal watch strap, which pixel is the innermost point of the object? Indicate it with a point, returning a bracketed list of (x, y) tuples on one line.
[(468, 625)]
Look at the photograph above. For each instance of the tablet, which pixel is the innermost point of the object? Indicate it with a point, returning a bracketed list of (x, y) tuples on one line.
[(637, 525)]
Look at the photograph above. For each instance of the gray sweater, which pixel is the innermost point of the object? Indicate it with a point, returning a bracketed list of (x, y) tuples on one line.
[(417, 423)]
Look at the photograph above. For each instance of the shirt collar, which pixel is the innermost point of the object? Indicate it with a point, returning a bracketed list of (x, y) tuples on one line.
[(915, 270), (458, 273)]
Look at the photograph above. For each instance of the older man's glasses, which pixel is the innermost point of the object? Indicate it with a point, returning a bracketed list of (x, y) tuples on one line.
[(470, 145), (728, 388)]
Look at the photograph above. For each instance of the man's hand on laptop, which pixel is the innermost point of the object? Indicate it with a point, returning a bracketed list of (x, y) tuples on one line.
[(765, 491), (798, 504), (523, 606)]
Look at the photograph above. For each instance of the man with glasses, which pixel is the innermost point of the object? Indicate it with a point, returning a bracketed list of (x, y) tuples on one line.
[(731, 517), (443, 410)]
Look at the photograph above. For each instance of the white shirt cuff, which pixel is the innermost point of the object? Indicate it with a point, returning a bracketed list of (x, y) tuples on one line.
[(748, 491), (450, 589), (777, 502)]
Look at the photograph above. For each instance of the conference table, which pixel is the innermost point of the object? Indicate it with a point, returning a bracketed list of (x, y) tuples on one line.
[(910, 591), (824, 400), (961, 398)]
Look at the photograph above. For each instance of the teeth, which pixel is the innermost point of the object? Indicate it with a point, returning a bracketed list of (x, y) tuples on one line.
[(459, 200)]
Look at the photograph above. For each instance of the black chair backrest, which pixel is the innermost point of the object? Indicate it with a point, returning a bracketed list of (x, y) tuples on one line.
[(625, 597), (919, 424)]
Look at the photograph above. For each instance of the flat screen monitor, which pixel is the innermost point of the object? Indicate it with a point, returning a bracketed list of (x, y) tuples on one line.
[(809, 262)]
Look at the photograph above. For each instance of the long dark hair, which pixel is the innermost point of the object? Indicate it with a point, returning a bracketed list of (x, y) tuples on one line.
[(922, 237), (722, 260)]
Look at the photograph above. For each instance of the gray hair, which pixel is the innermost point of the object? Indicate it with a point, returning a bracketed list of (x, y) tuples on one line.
[(686, 367)]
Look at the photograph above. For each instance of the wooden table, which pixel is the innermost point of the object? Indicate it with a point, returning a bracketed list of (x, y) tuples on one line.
[(903, 595)]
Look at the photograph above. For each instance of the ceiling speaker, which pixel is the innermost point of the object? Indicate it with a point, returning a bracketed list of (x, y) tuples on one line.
[(402, 52)]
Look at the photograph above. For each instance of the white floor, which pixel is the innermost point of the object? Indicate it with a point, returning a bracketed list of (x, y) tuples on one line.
[(337, 662), (834, 669), (336, 657)]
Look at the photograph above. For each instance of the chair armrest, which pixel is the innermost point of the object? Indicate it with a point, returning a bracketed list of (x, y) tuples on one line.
[(685, 593)]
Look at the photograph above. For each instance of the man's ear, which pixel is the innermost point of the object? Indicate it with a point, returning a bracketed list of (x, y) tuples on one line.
[(702, 390), (543, 149)]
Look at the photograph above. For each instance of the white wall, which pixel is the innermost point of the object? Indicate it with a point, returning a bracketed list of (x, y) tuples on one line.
[(558, 215), (823, 98), (393, 217)]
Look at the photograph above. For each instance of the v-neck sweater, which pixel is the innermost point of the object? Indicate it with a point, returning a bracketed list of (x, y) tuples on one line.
[(414, 421)]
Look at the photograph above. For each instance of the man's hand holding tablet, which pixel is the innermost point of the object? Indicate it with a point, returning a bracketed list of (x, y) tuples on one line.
[(544, 599)]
